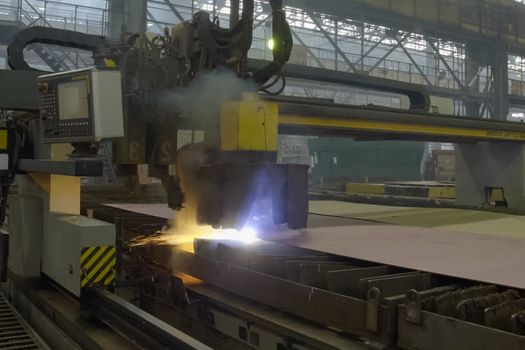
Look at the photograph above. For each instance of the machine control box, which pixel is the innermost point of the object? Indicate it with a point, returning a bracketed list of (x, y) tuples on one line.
[(83, 105)]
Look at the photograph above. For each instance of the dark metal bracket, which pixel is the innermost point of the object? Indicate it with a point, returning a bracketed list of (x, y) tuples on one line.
[(413, 312), (373, 301)]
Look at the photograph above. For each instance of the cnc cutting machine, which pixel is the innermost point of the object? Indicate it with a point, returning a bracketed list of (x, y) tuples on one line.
[(195, 77), (143, 89), (192, 78)]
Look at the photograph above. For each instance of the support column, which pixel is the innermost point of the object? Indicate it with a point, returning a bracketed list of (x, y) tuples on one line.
[(431, 62), (500, 75), (495, 56), (473, 58), (234, 12), (128, 15), (490, 165)]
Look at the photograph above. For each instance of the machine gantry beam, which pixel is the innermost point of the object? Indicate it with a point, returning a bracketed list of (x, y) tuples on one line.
[(319, 118)]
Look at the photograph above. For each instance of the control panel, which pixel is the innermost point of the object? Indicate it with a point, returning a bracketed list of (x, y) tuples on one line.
[(81, 106)]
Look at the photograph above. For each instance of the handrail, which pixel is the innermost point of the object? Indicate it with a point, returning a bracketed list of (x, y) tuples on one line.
[(38, 13)]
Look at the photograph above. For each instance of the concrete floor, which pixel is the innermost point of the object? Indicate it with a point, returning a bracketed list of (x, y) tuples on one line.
[(472, 221)]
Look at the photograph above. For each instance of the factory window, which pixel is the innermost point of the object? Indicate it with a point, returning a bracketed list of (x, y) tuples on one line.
[(243, 333), (254, 339)]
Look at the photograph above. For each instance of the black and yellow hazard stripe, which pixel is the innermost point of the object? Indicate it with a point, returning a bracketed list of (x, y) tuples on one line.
[(97, 266)]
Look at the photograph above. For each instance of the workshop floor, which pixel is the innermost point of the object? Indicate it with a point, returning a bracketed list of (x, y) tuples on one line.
[(334, 213)]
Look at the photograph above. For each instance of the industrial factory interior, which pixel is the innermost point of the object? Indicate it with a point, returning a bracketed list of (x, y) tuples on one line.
[(262, 174)]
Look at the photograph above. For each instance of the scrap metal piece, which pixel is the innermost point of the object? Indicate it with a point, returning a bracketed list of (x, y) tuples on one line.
[(472, 310), (428, 297), (501, 316), (518, 323), (446, 304)]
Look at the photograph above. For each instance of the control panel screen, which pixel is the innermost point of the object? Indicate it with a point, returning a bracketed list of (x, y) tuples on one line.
[(73, 100)]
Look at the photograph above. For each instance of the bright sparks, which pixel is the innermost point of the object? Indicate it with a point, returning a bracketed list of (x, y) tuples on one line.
[(247, 235), (184, 230)]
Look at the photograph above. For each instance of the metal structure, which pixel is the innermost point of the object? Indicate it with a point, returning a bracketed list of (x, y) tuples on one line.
[(223, 283), (153, 69), (452, 63), (314, 289), (223, 177), (327, 39), (147, 330), (14, 332), (356, 297), (329, 302)]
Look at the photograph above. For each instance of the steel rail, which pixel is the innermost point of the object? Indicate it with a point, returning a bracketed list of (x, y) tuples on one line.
[(132, 322)]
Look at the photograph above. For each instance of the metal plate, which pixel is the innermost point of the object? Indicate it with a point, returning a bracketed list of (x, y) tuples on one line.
[(159, 210), (484, 258)]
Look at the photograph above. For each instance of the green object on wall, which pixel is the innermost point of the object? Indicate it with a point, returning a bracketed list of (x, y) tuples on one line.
[(365, 161)]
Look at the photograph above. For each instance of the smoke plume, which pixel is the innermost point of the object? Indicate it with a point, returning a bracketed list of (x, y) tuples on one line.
[(202, 99)]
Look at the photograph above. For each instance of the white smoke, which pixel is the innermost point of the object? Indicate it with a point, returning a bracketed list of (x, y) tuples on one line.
[(203, 98)]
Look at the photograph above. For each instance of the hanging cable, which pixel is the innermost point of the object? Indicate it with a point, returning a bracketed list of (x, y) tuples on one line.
[(279, 77), (282, 48)]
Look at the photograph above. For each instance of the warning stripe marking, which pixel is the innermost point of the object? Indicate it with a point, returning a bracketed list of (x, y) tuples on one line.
[(97, 266)]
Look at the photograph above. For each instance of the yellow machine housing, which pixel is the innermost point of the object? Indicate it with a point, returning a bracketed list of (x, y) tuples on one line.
[(249, 126)]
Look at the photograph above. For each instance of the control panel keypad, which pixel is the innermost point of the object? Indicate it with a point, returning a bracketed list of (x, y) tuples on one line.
[(53, 127), (49, 105)]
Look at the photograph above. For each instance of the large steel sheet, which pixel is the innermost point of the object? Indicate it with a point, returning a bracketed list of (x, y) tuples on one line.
[(490, 259), (159, 210), (479, 257)]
